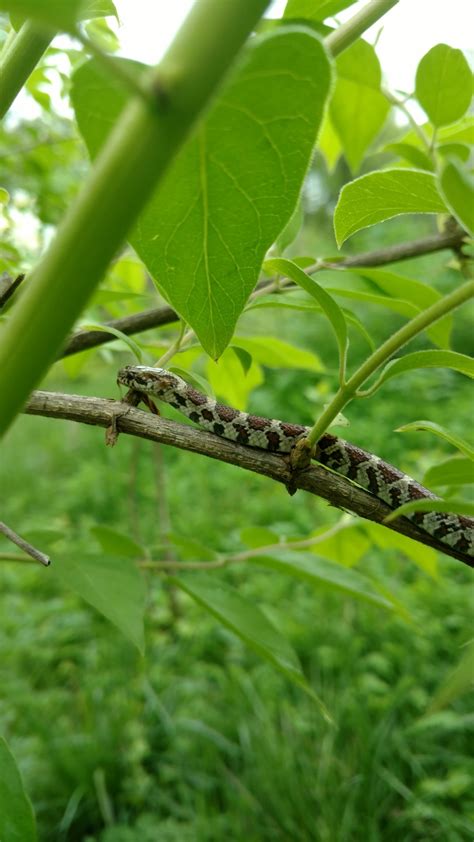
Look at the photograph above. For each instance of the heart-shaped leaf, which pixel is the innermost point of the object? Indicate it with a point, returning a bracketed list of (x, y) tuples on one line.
[(234, 185)]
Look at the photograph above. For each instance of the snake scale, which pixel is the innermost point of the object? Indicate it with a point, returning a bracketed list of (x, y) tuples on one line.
[(367, 470)]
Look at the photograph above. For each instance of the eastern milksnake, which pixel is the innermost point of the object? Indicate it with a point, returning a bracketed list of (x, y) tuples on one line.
[(381, 479)]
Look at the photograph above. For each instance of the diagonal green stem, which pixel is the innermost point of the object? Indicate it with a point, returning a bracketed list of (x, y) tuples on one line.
[(383, 354), (18, 59), (348, 32), (132, 162)]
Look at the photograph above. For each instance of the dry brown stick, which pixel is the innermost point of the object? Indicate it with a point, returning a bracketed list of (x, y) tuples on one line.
[(317, 480), (82, 340)]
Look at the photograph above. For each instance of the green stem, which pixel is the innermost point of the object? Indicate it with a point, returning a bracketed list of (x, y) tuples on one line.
[(399, 103), (382, 354), (116, 68), (345, 35), (132, 162), (19, 59)]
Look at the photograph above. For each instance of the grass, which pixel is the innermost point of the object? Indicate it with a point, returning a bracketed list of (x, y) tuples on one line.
[(200, 740)]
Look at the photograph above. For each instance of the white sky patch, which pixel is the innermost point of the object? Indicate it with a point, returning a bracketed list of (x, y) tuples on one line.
[(406, 32)]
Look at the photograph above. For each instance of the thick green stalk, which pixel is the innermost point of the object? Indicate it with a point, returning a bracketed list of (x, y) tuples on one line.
[(18, 59), (348, 32), (382, 355), (134, 159)]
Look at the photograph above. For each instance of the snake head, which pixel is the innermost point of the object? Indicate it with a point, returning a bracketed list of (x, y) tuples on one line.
[(144, 378)]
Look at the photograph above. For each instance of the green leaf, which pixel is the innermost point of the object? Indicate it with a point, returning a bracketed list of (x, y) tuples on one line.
[(455, 150), (358, 109), (250, 624), (320, 571), (234, 185), (17, 821), (452, 506), (444, 84), (4, 196), (426, 359), (59, 14), (329, 144), (315, 9), (412, 154), (454, 471), (117, 543), (426, 558), (457, 188), (419, 294), (291, 229), (243, 356), (431, 427), (457, 683), (382, 195), (330, 307), (113, 585), (345, 546), (275, 353), (135, 349), (258, 536), (228, 381), (293, 301)]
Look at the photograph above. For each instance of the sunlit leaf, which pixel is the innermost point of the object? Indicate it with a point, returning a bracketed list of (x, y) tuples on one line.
[(357, 107), (328, 143), (258, 536), (444, 84), (431, 427), (426, 558), (382, 195), (454, 471), (427, 359), (275, 353), (228, 381), (421, 295), (412, 154), (457, 188), (244, 357), (250, 624), (330, 307), (17, 821)]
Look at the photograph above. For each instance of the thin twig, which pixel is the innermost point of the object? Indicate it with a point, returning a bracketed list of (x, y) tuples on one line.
[(24, 545), (8, 287), (337, 490), (235, 558)]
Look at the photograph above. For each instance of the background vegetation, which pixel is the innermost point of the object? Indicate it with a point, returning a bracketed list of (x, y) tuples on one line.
[(199, 738)]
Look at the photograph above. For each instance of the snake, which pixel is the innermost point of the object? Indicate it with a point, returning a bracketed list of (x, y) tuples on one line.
[(381, 479)]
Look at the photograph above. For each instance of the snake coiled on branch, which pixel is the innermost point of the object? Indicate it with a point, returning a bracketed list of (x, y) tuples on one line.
[(369, 471)]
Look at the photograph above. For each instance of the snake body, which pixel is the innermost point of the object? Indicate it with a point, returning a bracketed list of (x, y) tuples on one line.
[(369, 471)]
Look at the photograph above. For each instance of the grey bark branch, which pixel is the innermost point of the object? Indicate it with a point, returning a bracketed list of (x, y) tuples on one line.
[(337, 490), (82, 340), (27, 548)]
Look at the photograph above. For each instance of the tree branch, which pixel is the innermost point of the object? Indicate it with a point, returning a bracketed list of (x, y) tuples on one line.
[(317, 480), (82, 340)]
